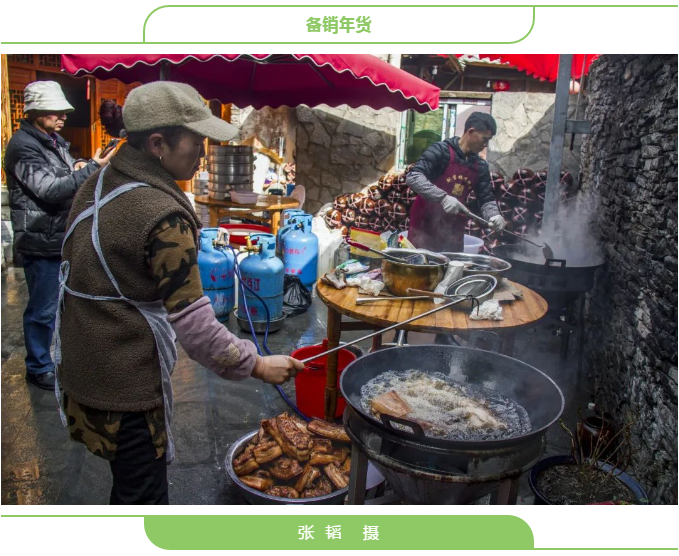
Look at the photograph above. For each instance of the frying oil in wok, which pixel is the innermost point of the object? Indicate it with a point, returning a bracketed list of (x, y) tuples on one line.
[(449, 410)]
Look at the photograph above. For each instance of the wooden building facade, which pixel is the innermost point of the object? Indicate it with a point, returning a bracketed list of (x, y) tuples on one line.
[(83, 128)]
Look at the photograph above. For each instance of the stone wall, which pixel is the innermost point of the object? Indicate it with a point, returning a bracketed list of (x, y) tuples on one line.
[(268, 124), (524, 132), (340, 150), (630, 166)]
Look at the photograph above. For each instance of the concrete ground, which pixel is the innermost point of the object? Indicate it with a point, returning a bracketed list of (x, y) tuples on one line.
[(40, 465)]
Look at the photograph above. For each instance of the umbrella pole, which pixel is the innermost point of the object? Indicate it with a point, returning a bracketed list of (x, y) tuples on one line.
[(164, 71), (557, 143)]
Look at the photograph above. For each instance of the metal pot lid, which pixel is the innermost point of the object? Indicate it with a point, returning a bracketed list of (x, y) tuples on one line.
[(480, 263), (479, 285)]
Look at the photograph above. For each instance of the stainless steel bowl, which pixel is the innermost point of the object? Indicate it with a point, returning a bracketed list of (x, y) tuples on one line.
[(482, 286), (398, 277), (260, 325), (485, 264), (255, 496)]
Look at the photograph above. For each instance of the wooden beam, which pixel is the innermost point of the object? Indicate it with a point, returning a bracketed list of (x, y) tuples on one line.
[(6, 111), (466, 94)]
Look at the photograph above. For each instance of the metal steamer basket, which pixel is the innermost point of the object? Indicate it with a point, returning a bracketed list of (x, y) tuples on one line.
[(230, 167)]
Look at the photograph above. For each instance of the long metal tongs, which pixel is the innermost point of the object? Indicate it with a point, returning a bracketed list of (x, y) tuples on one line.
[(392, 327), (546, 249)]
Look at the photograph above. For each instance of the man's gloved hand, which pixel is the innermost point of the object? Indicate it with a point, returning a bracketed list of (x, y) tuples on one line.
[(276, 369), (452, 206), (497, 223)]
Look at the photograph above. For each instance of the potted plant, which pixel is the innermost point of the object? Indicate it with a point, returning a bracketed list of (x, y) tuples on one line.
[(588, 476)]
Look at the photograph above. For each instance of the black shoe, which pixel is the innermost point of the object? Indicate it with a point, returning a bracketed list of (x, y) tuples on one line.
[(44, 380)]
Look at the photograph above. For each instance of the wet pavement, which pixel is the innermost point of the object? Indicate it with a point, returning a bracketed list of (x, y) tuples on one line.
[(40, 465)]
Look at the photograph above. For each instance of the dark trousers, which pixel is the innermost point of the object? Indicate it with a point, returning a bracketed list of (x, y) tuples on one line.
[(42, 279), (138, 476)]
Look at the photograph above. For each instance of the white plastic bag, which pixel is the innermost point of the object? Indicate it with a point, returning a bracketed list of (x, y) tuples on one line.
[(453, 274), (328, 242), (366, 283), (489, 310)]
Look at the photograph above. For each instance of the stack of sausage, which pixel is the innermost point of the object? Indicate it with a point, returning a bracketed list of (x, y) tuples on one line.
[(289, 458), (521, 201), (382, 208)]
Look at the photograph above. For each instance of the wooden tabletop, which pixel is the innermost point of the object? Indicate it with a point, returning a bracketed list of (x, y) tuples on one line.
[(264, 202), (516, 313)]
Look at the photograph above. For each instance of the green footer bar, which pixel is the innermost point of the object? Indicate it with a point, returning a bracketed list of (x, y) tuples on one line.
[(332, 532)]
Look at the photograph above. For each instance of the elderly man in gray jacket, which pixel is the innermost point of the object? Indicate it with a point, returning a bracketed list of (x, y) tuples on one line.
[(42, 179)]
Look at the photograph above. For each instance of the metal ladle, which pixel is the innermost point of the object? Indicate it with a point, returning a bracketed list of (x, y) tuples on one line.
[(488, 288), (546, 249), (387, 329), (382, 254)]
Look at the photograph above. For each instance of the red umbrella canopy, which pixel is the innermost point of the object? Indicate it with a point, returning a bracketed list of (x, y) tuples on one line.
[(273, 80), (541, 66)]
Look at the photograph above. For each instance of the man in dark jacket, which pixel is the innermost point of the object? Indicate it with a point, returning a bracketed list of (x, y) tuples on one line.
[(42, 179), (443, 178)]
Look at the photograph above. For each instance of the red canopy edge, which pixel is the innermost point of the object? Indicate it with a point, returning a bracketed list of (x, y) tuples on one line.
[(379, 73), (540, 66)]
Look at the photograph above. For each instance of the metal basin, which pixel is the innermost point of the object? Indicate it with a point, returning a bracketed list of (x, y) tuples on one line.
[(255, 496), (260, 325), (398, 277), (485, 264)]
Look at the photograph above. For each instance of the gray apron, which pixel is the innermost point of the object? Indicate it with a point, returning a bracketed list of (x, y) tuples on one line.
[(154, 311)]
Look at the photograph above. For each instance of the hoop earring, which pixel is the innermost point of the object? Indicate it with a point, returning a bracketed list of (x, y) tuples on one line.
[(160, 160)]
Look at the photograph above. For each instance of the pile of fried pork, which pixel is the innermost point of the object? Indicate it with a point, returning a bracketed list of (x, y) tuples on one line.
[(290, 458)]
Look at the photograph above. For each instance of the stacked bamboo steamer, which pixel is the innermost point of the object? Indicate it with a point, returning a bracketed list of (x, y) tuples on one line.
[(231, 168)]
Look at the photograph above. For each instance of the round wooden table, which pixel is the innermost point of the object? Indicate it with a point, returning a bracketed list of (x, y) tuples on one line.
[(380, 314), (273, 204)]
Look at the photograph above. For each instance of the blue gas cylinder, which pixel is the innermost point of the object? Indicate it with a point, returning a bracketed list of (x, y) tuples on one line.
[(216, 267), (285, 222), (262, 272), (300, 249)]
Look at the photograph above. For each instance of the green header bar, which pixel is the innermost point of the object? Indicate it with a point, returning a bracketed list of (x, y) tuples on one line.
[(337, 532)]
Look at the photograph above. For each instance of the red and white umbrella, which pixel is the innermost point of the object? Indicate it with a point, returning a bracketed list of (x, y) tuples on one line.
[(273, 80)]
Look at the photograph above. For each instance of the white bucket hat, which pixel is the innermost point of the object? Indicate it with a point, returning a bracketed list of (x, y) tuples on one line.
[(45, 95)]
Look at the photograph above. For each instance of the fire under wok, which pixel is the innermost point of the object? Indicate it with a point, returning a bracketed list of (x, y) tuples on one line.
[(468, 367)]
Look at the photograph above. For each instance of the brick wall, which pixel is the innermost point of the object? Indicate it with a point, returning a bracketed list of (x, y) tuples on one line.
[(630, 164)]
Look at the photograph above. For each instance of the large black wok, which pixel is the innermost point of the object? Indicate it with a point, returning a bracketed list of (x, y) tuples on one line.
[(532, 389), (529, 267)]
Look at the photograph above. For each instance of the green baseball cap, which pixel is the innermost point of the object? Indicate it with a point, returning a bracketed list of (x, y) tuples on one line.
[(168, 104)]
